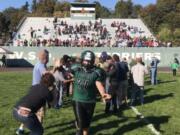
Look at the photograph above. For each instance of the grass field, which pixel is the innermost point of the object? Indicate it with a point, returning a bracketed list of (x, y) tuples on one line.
[(161, 108)]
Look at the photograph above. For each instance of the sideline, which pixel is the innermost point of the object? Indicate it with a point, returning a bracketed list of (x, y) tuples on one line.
[(149, 125)]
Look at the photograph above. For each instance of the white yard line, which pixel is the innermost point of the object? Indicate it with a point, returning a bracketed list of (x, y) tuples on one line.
[(150, 126)]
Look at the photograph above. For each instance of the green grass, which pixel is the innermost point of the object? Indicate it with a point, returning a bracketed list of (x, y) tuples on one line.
[(161, 108)]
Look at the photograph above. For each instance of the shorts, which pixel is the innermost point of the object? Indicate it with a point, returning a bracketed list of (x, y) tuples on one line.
[(83, 113)]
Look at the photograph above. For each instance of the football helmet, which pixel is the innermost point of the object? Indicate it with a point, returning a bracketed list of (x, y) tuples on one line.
[(89, 57)]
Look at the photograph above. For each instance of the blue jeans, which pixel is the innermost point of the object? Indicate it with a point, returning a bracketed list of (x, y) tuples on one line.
[(153, 76), (31, 122), (137, 90)]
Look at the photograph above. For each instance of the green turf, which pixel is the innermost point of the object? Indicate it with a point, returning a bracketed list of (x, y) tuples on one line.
[(161, 108)]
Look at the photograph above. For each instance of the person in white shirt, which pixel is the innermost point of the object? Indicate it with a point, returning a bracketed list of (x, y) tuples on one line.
[(138, 72), (60, 81)]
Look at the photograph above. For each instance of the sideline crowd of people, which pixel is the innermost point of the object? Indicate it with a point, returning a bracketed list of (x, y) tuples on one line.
[(119, 81)]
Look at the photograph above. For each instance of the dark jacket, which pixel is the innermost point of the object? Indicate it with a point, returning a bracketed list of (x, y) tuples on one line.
[(36, 98)]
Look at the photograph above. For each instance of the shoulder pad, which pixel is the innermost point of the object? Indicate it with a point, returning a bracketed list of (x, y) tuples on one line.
[(75, 67), (100, 71)]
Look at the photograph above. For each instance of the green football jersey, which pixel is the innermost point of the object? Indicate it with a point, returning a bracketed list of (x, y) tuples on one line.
[(84, 86)]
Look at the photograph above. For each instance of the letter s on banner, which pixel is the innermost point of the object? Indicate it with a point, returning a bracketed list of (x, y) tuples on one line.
[(32, 55)]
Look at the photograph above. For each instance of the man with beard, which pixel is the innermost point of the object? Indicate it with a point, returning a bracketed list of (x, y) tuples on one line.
[(87, 79)]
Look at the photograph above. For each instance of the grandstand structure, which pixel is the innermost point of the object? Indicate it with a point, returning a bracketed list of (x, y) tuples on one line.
[(47, 28), (83, 30), (44, 28)]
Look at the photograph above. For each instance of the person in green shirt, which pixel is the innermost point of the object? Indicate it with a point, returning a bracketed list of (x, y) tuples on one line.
[(174, 67), (87, 80)]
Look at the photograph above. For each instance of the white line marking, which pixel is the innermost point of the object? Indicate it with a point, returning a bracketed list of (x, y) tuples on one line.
[(150, 126)]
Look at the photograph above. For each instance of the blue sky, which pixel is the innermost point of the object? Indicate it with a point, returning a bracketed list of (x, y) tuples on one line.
[(108, 3)]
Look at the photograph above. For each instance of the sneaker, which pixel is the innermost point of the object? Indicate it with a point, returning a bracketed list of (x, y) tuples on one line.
[(57, 107), (107, 111), (19, 132)]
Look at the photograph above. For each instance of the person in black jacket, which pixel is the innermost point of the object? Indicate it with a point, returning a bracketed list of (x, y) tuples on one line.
[(38, 95), (113, 85)]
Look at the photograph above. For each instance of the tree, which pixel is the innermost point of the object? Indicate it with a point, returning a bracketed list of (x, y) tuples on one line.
[(123, 9), (129, 5), (45, 7), (66, 6), (3, 24), (13, 16), (58, 6), (136, 11), (178, 8), (177, 36), (166, 6), (81, 1), (173, 19), (105, 13), (98, 9), (10, 14), (101, 11), (151, 16), (177, 33), (34, 6), (25, 7), (165, 34), (63, 7)]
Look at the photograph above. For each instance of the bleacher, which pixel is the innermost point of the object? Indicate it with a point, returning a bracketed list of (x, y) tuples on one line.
[(38, 24)]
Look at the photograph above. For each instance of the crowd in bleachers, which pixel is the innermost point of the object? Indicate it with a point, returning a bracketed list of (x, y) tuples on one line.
[(91, 34), (64, 34), (124, 36)]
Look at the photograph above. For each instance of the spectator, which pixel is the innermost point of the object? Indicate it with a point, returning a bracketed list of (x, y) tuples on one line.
[(38, 70), (113, 90), (123, 78), (154, 64), (60, 81), (98, 34), (38, 95), (3, 59), (32, 32), (176, 61), (66, 72), (174, 67), (138, 72)]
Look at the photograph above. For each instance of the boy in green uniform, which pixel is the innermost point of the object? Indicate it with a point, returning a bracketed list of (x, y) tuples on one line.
[(87, 79), (174, 67)]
